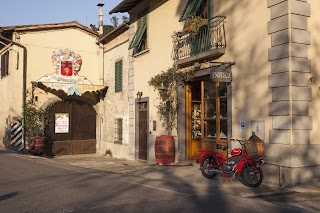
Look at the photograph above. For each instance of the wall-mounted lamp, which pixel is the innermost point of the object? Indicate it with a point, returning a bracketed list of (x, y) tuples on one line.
[(139, 94), (162, 87), (197, 66)]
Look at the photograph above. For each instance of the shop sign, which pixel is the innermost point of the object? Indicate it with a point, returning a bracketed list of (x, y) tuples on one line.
[(61, 123), (220, 74)]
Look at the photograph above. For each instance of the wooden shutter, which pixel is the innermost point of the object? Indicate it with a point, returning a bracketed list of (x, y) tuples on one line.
[(141, 29), (4, 64), (118, 76), (1, 65), (190, 9)]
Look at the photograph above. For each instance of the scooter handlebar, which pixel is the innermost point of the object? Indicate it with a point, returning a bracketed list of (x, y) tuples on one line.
[(242, 142)]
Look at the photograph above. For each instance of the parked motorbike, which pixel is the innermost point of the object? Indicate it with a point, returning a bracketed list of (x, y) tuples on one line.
[(239, 163)]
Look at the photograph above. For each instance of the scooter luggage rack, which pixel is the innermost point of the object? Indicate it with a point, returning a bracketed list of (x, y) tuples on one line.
[(254, 147)]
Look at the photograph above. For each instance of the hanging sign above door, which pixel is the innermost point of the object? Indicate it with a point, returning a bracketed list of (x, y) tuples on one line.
[(221, 74)]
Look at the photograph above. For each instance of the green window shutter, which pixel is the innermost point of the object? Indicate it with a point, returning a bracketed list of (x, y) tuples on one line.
[(137, 38), (118, 76), (141, 29), (4, 66), (190, 9)]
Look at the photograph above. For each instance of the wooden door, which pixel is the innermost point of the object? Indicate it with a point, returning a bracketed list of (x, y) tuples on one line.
[(193, 123), (206, 116), (143, 131), (80, 135)]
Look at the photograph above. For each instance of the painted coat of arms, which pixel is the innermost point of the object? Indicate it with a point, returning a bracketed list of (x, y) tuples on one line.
[(67, 64)]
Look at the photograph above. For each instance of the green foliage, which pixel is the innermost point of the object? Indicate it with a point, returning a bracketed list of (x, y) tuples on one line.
[(36, 119), (114, 21), (170, 80), (194, 25), (106, 28), (125, 19)]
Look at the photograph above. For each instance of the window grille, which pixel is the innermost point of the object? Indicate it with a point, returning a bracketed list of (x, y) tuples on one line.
[(118, 130)]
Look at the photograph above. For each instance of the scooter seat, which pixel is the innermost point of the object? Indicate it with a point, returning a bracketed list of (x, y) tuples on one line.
[(222, 147)]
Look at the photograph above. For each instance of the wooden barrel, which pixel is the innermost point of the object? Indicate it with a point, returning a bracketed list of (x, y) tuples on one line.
[(29, 143), (39, 145), (164, 149)]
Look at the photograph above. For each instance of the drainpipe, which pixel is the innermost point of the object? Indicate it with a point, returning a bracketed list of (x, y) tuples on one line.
[(101, 74), (24, 82), (101, 77)]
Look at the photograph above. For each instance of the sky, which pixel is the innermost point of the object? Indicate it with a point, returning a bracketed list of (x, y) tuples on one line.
[(25, 12)]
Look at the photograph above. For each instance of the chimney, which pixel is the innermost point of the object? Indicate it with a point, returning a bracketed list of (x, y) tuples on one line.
[(100, 19)]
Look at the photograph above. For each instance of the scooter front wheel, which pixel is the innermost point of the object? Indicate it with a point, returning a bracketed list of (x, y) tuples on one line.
[(251, 176), (206, 164)]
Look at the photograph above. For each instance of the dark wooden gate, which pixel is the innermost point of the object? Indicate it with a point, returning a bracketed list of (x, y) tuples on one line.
[(143, 131), (81, 136)]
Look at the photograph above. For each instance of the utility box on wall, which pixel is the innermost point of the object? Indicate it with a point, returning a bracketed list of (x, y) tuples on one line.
[(258, 127)]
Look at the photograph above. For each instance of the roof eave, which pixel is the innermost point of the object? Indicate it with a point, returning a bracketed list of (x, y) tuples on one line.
[(49, 26), (125, 6), (114, 33)]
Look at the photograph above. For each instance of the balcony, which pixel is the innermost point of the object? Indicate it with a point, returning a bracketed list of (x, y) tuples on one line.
[(208, 44)]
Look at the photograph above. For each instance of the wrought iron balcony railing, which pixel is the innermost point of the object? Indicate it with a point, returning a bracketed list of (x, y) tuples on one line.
[(209, 42)]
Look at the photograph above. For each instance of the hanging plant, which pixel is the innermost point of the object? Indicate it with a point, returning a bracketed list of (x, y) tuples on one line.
[(167, 83)]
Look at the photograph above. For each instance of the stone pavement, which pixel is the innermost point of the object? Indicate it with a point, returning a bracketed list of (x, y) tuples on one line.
[(185, 171), (306, 196)]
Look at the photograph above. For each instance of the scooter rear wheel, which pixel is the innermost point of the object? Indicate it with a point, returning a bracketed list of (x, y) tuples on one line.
[(206, 164), (251, 176)]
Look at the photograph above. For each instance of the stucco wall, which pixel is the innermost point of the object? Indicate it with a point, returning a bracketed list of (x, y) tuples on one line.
[(158, 58), (40, 46), (247, 45), (162, 21), (10, 93), (314, 52)]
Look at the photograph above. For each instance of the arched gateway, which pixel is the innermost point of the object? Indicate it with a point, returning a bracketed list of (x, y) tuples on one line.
[(74, 118)]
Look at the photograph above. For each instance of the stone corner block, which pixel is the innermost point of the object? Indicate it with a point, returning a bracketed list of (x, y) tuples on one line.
[(302, 122), (279, 108), (279, 137), (279, 80), (301, 137), (281, 122)]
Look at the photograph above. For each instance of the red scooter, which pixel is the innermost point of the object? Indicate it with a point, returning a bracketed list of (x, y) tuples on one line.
[(239, 163)]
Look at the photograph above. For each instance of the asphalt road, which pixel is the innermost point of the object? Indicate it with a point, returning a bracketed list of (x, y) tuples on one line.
[(31, 184)]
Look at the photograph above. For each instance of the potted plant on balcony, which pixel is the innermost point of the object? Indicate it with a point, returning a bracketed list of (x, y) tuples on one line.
[(194, 24), (166, 83)]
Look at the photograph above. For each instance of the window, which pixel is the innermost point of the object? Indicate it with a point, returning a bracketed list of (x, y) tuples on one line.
[(195, 8), (118, 130), (139, 41), (118, 76), (4, 65)]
